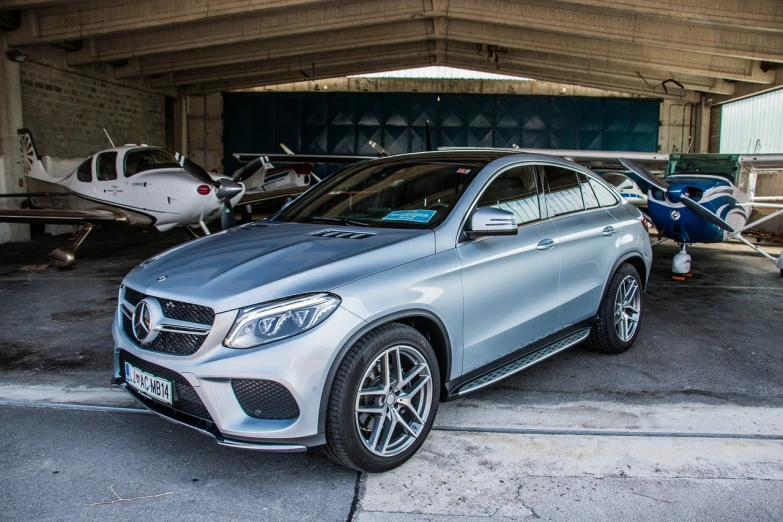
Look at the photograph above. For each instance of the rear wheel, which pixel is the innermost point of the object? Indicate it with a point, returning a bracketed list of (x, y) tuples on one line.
[(620, 313), (383, 401)]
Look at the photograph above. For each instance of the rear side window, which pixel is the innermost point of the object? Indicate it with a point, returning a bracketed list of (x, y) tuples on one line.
[(84, 172), (588, 195), (605, 197), (107, 166), (563, 194), (515, 191)]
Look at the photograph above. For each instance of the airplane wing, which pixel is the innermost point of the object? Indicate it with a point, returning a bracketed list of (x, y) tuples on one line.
[(258, 197), (243, 157), (60, 217)]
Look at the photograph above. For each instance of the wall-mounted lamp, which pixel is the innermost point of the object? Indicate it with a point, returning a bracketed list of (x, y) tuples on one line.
[(16, 56)]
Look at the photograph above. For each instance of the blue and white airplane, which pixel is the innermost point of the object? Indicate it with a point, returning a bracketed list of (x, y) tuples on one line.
[(709, 198)]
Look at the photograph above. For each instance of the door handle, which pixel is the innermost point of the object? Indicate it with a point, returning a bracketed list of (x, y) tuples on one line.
[(545, 244), (608, 231)]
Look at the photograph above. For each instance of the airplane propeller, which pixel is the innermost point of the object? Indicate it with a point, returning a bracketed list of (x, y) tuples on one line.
[(245, 171), (676, 195), (226, 188)]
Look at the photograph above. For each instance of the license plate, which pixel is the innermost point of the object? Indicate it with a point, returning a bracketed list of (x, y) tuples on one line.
[(148, 384)]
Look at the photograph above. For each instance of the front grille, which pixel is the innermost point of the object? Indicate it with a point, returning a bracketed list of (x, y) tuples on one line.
[(172, 343), (265, 399), (166, 342), (133, 297), (187, 312), (186, 400)]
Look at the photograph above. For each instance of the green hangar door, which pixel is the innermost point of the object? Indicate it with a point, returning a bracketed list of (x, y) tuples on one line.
[(344, 123)]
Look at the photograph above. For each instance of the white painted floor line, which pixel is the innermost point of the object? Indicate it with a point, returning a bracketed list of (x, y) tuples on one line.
[(461, 429)]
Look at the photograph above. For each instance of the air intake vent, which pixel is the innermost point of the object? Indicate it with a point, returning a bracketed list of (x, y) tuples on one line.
[(342, 234)]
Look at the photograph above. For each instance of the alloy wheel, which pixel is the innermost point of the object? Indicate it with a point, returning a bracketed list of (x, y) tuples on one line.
[(394, 400), (627, 308)]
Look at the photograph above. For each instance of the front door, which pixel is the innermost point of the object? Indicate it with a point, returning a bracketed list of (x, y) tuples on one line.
[(510, 282)]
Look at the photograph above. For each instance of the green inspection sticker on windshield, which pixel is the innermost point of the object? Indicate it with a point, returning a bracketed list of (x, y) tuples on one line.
[(412, 216)]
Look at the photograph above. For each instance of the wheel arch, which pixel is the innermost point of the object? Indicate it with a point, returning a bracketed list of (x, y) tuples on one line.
[(633, 258), (425, 322)]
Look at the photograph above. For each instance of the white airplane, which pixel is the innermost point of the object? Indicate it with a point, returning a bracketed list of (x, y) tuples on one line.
[(132, 185)]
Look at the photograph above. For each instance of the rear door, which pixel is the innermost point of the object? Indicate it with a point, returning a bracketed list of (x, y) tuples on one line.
[(588, 240), (509, 282)]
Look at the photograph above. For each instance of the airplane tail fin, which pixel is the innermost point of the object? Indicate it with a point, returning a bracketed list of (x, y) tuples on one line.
[(33, 166)]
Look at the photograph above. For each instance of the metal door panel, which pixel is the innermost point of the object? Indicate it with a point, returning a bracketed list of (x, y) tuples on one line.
[(510, 289)]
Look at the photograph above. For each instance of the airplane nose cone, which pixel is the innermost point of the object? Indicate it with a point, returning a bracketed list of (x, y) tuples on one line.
[(228, 189)]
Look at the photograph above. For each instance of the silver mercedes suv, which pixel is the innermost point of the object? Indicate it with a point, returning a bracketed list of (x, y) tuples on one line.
[(345, 319)]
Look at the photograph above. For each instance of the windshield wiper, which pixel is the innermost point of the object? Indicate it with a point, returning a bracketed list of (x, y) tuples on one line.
[(342, 221)]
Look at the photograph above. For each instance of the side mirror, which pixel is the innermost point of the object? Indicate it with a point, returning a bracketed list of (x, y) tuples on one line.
[(489, 221)]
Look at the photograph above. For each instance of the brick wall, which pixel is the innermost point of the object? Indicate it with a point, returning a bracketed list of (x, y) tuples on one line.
[(66, 112)]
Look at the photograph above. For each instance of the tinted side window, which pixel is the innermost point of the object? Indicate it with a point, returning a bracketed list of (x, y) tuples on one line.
[(563, 194), (84, 172), (588, 196), (606, 197), (107, 166), (515, 191)]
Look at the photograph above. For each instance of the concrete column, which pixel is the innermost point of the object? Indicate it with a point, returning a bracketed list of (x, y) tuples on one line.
[(11, 168), (184, 107), (703, 126)]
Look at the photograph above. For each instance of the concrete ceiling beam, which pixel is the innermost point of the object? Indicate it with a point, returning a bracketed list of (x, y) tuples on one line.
[(607, 24), (758, 14), (623, 53), (239, 53), (369, 65), (275, 25), (89, 19), (607, 74), (304, 67), (630, 86)]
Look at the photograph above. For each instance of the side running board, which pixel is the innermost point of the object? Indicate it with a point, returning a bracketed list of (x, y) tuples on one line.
[(524, 362)]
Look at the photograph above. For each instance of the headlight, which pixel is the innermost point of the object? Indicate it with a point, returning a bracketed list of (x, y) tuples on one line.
[(265, 323)]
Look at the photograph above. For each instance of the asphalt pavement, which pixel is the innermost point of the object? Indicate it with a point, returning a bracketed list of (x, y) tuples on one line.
[(579, 436)]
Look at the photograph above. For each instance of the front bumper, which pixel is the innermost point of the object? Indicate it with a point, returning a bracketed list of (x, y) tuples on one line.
[(301, 364)]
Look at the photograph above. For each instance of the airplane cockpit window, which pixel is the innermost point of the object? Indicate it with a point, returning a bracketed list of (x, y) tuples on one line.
[(140, 160), (84, 172), (107, 166)]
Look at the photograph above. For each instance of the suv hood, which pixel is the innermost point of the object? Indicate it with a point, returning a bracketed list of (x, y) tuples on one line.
[(264, 261)]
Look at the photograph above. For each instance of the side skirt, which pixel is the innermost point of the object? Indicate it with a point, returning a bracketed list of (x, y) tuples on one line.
[(519, 360)]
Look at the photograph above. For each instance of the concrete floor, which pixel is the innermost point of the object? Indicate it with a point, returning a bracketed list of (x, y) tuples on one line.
[(686, 424)]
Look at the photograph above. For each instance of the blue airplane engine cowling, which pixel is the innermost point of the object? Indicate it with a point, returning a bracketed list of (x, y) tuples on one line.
[(679, 223)]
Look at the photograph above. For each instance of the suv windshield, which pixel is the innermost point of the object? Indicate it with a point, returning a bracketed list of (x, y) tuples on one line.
[(139, 160), (414, 194)]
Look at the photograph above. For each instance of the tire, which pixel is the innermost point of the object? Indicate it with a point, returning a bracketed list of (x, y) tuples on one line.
[(350, 433), (608, 335)]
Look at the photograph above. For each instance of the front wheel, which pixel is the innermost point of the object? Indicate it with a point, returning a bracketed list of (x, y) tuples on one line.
[(620, 313), (383, 401)]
